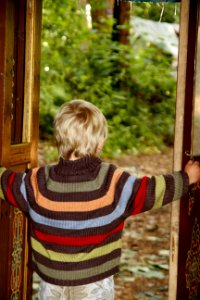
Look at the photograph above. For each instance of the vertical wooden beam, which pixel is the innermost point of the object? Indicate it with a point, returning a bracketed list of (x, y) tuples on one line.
[(178, 143), (19, 69), (6, 74), (32, 76), (188, 276), (196, 124), (181, 223), (31, 104), (15, 280), (10, 283)]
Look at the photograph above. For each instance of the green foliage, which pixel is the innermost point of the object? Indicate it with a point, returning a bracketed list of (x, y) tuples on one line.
[(132, 85)]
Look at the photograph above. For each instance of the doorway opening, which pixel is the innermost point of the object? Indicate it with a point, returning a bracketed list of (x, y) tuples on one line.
[(133, 80)]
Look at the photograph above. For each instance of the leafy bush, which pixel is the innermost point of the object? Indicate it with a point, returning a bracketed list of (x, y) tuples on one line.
[(132, 85)]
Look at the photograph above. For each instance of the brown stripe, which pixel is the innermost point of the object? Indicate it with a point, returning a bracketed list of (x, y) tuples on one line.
[(185, 183), (74, 196), (150, 194), (75, 206), (84, 169), (70, 187), (39, 209), (17, 193), (170, 189), (80, 274), (76, 266), (83, 215), (76, 282), (76, 233)]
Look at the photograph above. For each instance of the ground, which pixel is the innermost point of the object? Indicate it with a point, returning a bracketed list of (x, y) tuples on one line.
[(145, 255)]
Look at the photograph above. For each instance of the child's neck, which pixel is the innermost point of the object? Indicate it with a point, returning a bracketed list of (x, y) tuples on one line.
[(73, 157)]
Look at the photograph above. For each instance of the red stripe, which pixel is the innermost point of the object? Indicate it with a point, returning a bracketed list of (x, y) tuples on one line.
[(76, 241), (9, 194), (140, 197)]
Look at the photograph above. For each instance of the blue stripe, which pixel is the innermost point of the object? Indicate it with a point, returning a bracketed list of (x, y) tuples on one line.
[(23, 188), (98, 222)]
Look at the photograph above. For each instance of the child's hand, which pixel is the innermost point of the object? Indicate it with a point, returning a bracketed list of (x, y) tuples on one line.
[(192, 168)]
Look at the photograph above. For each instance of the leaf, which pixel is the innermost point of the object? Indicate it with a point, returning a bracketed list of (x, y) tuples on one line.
[(159, 265), (145, 272)]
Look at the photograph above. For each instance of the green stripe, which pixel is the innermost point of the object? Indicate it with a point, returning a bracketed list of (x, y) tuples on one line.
[(63, 257), (2, 170), (77, 275), (86, 186), (178, 185), (159, 191)]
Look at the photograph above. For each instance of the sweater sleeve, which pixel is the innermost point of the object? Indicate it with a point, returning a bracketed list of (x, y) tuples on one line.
[(158, 191), (12, 188)]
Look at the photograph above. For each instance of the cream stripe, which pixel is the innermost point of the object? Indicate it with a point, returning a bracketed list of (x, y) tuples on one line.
[(63, 257), (76, 206), (2, 170), (80, 274), (159, 191)]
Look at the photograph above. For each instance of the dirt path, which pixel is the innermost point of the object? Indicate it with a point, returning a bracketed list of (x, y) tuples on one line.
[(145, 254)]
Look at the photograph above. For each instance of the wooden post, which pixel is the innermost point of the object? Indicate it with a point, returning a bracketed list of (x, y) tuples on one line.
[(178, 142), (182, 220), (20, 27)]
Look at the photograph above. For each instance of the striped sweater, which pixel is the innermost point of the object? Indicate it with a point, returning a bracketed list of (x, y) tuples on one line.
[(77, 211)]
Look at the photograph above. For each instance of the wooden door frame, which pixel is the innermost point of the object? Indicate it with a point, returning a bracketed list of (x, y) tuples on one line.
[(11, 155), (183, 126), (24, 154), (31, 103)]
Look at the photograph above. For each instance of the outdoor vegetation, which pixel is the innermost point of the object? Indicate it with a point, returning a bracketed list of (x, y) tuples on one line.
[(132, 83)]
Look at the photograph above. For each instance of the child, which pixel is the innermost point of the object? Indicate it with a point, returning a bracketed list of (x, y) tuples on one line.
[(78, 206)]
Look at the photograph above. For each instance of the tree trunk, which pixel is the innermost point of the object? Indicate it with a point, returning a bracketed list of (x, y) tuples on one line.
[(121, 27), (100, 11)]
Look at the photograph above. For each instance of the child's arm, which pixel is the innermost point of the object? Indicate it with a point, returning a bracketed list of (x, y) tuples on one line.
[(12, 188), (156, 191)]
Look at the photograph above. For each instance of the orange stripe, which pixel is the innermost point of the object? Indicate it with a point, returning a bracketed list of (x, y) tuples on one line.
[(75, 206)]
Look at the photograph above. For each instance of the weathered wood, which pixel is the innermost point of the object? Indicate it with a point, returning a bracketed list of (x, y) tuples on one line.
[(182, 223), (31, 102), (19, 102), (178, 143), (7, 72), (32, 76), (196, 123), (18, 69)]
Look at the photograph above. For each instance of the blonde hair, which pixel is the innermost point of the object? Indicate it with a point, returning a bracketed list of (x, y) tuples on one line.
[(80, 127)]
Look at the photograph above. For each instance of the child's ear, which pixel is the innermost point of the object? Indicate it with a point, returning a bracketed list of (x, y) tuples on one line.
[(99, 149)]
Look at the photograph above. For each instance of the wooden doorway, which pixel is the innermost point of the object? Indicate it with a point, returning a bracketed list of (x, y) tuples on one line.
[(20, 27), (20, 23), (184, 280)]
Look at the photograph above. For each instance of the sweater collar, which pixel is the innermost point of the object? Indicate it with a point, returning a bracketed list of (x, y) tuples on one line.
[(80, 166)]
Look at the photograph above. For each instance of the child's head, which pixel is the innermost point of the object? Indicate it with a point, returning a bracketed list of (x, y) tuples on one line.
[(80, 129)]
